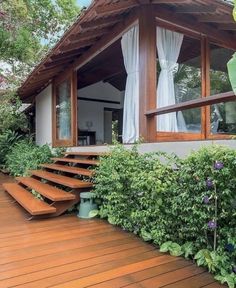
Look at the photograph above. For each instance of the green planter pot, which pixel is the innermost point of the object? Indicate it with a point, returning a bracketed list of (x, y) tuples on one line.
[(232, 72)]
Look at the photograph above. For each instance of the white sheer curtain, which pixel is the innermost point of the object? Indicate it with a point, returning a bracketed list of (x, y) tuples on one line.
[(130, 50), (168, 46)]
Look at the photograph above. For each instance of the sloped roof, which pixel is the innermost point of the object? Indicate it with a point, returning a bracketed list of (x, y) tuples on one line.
[(102, 15)]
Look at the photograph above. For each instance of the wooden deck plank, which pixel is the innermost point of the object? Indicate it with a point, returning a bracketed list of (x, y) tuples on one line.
[(62, 180), (77, 161), (46, 190), (70, 252), (27, 200), (69, 169)]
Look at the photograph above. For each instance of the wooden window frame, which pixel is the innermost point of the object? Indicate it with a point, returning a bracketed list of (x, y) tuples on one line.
[(204, 103), (70, 76), (186, 136)]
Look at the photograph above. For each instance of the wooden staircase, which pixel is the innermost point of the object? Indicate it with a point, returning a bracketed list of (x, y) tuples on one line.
[(59, 184)]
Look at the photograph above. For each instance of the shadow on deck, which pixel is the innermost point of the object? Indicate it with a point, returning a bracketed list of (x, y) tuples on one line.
[(68, 252)]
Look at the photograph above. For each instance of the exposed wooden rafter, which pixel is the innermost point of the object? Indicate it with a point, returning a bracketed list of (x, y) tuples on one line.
[(195, 9), (116, 7), (169, 1), (78, 45), (66, 54), (216, 19), (231, 26), (101, 22), (88, 35)]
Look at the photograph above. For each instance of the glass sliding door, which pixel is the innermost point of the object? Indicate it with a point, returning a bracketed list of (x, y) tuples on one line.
[(64, 111)]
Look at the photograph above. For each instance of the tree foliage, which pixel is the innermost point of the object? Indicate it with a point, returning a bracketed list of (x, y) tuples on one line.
[(28, 28)]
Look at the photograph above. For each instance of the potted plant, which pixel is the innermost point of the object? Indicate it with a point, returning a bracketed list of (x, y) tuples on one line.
[(232, 62)]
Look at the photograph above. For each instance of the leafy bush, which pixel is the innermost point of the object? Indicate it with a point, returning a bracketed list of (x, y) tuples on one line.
[(7, 140), (11, 116), (25, 156), (187, 211)]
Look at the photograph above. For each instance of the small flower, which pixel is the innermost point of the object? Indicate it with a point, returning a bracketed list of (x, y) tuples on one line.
[(209, 183), (229, 247), (206, 199), (212, 224), (218, 165), (234, 269)]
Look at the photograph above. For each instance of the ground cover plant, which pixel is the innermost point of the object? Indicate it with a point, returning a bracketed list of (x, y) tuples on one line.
[(25, 155), (185, 207)]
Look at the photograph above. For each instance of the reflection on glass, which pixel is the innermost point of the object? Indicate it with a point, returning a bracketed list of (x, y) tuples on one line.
[(223, 115), (63, 111), (187, 84)]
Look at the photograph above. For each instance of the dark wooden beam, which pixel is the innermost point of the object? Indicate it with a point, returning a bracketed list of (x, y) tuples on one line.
[(101, 22), (230, 27), (216, 19), (195, 9), (65, 55), (78, 45), (147, 72), (196, 103), (58, 62), (169, 1), (115, 7), (88, 35)]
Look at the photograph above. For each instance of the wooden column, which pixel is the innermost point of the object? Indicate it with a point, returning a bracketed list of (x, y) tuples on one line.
[(147, 76)]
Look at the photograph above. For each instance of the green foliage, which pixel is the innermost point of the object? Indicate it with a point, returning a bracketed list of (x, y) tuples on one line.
[(7, 140), (25, 156), (11, 117), (161, 199), (173, 248)]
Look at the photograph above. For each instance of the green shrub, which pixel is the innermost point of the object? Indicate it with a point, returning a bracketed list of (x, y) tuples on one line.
[(25, 156), (7, 140), (177, 209)]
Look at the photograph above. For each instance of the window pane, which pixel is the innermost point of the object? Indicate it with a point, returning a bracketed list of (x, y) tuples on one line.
[(63, 111), (188, 76), (223, 114), (187, 86)]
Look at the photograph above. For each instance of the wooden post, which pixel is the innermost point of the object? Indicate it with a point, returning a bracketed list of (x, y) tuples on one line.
[(147, 74)]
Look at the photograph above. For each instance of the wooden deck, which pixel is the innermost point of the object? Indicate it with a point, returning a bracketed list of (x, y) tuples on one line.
[(68, 252)]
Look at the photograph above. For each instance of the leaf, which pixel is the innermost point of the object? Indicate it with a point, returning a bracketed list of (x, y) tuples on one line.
[(165, 247), (93, 213)]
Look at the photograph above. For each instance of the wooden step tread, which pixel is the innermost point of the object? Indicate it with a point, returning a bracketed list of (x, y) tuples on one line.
[(46, 190), (60, 179), (86, 153), (77, 161), (69, 169), (27, 200)]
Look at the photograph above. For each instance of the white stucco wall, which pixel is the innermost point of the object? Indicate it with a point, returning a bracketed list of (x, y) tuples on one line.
[(44, 116), (94, 111), (182, 149)]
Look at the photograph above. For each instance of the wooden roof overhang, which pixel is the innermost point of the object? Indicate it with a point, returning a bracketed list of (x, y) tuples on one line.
[(104, 19)]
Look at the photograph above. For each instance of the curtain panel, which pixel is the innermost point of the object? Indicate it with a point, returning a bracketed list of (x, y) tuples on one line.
[(168, 46), (130, 51)]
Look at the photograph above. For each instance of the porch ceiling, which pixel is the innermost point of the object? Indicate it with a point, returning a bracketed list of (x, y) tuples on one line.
[(99, 20)]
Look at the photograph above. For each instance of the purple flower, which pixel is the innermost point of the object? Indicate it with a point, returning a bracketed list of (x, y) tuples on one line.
[(212, 224), (206, 199), (234, 269), (218, 165), (209, 183), (229, 247)]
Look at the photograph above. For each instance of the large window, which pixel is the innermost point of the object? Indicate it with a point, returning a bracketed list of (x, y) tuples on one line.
[(64, 111), (223, 115), (186, 73)]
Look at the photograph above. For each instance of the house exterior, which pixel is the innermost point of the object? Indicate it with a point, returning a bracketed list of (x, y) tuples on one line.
[(131, 69)]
